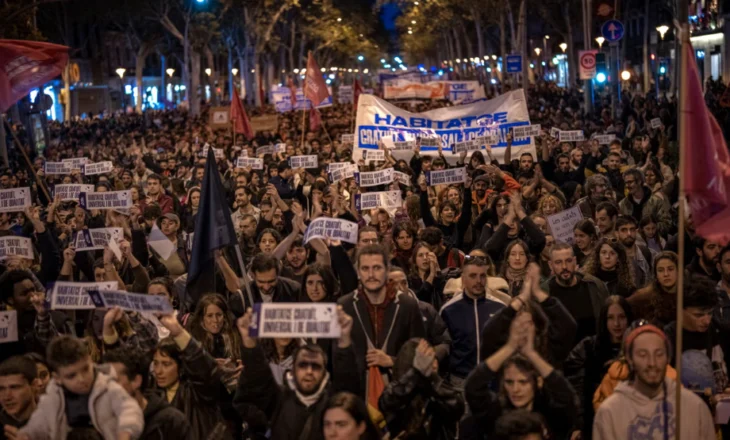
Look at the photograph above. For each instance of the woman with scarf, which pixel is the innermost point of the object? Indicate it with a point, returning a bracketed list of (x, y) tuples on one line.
[(586, 235), (608, 262), (403, 238), (514, 267), (657, 302), (588, 362)]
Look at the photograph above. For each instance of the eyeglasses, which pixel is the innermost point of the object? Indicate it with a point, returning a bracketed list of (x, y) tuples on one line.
[(303, 365)]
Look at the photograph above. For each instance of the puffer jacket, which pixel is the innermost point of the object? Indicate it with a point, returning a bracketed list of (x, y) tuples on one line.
[(650, 205)]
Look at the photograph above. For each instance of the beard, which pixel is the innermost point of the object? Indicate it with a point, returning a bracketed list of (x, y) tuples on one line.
[(481, 193), (709, 263)]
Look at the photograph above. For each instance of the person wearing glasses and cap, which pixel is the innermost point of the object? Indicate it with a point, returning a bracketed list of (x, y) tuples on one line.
[(644, 405)]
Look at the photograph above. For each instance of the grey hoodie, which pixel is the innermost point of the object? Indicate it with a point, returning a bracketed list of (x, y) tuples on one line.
[(629, 414)]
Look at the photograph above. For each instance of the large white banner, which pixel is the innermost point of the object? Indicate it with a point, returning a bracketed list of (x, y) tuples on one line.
[(377, 120), (454, 91)]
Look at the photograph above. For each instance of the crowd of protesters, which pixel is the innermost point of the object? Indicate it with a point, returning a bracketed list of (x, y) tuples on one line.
[(461, 315)]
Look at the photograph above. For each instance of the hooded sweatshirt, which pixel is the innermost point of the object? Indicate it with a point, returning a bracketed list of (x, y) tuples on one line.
[(629, 414)]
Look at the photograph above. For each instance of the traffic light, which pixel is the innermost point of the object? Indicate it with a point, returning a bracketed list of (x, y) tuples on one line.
[(601, 68), (663, 66)]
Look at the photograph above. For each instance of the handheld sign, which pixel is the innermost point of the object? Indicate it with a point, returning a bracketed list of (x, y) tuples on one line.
[(14, 246), (656, 123), (403, 178), (374, 178), (604, 139), (77, 163), (253, 162), (444, 177), (106, 200), (490, 139), (280, 147), (430, 142), (334, 228), (218, 153), (295, 320), (92, 169), (71, 191), (15, 199), (561, 224), (97, 238), (133, 302), (67, 295), (571, 136), (303, 162), (374, 155), (524, 131), (337, 165), (266, 149), (466, 146), (555, 132), (58, 168), (404, 146), (342, 173), (9, 326), (380, 199), (347, 138)]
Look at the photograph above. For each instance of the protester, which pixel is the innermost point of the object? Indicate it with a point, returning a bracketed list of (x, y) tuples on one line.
[(346, 418), (608, 263), (18, 384), (586, 237), (657, 302)]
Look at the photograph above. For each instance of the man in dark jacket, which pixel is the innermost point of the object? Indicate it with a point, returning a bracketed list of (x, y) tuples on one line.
[(18, 377), (161, 420), (268, 286), (295, 411), (384, 320), (465, 315), (282, 181)]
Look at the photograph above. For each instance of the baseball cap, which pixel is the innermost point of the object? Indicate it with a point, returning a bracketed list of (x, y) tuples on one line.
[(171, 216)]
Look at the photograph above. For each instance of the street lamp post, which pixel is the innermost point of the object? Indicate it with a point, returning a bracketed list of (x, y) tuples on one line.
[(662, 29), (537, 52), (120, 71), (600, 41), (170, 72), (564, 47)]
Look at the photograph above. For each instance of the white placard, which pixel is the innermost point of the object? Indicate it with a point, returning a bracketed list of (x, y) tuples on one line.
[(403, 178), (97, 238), (295, 320), (14, 246), (466, 146), (280, 147), (490, 139), (14, 199), (374, 178), (218, 153), (341, 174), (91, 169), (160, 243), (71, 191), (8, 326), (524, 131), (68, 295), (561, 224), (266, 149), (656, 123), (604, 139), (444, 177), (253, 162), (134, 302), (555, 132), (106, 200), (77, 163), (58, 168), (404, 146), (380, 199), (303, 162), (571, 136), (334, 228), (337, 165), (430, 141), (374, 155), (347, 138)]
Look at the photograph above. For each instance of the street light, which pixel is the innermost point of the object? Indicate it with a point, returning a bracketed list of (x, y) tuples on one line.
[(339, 19), (625, 75), (563, 46), (547, 37), (600, 41), (208, 71), (662, 30), (170, 72), (120, 71), (537, 51), (360, 58), (234, 71)]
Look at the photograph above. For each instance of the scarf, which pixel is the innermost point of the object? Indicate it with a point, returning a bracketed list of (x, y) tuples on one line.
[(377, 311), (312, 398), (403, 256), (514, 275)]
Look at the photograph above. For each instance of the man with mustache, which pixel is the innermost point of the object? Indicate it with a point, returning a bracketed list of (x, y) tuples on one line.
[(582, 294)]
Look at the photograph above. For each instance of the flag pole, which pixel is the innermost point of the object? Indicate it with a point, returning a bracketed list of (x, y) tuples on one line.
[(304, 129), (324, 127), (20, 148), (682, 14)]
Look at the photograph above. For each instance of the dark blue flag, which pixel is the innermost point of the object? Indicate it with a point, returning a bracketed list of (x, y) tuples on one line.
[(213, 230)]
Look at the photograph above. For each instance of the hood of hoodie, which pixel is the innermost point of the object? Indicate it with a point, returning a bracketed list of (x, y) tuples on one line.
[(311, 399), (639, 399)]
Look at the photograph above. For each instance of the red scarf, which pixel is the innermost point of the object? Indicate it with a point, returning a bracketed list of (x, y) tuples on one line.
[(377, 311)]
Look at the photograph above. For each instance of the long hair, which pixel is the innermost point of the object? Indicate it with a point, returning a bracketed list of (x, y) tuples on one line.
[(331, 286), (413, 209), (664, 255), (268, 345), (543, 201), (413, 269), (603, 337), (525, 367), (400, 227), (231, 338), (356, 408), (593, 262), (508, 249), (493, 217)]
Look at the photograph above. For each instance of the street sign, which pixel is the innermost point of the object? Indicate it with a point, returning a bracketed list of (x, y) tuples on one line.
[(587, 64), (514, 63), (612, 30)]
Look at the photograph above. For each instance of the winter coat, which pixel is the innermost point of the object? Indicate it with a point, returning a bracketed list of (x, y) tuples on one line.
[(617, 372), (596, 289), (112, 410), (650, 205), (162, 421), (419, 407), (629, 414), (289, 417)]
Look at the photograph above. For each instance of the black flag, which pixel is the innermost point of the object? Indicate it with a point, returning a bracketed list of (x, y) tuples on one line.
[(213, 230)]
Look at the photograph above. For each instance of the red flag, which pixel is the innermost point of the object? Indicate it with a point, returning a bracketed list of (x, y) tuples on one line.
[(706, 172), (315, 120), (315, 88), (241, 124), (27, 65), (356, 92), (292, 93)]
